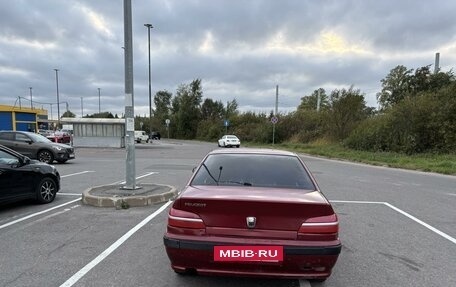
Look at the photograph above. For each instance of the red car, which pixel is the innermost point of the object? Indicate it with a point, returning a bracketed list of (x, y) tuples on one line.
[(253, 212), (60, 137)]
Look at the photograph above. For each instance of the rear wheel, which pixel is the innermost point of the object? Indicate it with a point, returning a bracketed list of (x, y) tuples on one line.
[(45, 156), (46, 190)]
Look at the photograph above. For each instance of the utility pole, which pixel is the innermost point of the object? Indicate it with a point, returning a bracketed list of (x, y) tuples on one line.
[(277, 101), (99, 101), (318, 100), (150, 85), (129, 99), (437, 63), (274, 118), (31, 100), (58, 101), (82, 107)]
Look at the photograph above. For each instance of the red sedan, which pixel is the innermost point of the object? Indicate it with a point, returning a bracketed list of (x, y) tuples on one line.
[(60, 137), (252, 212)]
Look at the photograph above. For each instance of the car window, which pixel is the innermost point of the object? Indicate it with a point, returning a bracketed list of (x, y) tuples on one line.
[(39, 138), (7, 136), (253, 170), (22, 138), (6, 158)]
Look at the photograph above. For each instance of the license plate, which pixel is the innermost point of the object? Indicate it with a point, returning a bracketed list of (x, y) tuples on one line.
[(71, 155), (248, 253)]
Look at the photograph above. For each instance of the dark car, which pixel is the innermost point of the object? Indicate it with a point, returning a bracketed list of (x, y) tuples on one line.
[(36, 146), (23, 178), (155, 135), (253, 212)]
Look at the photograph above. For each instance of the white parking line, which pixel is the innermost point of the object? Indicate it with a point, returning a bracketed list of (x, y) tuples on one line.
[(433, 229), (77, 173), (78, 275), (443, 234), (37, 213), (69, 194)]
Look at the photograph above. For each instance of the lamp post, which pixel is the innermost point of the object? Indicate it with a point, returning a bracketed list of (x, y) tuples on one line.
[(31, 100), (58, 101), (150, 87), (82, 107), (99, 101)]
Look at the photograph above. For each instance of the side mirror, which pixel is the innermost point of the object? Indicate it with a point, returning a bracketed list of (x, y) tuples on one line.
[(193, 169), (29, 142)]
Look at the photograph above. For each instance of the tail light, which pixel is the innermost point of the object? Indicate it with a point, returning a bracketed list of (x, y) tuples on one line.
[(319, 228), (185, 219)]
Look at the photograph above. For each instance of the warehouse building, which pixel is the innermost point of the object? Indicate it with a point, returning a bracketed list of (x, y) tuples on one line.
[(22, 119)]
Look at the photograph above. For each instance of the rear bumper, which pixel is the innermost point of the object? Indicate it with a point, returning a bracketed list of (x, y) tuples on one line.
[(288, 250), (312, 262)]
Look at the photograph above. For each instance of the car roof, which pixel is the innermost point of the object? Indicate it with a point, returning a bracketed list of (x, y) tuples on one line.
[(263, 151)]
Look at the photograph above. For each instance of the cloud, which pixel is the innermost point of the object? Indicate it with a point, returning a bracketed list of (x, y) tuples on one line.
[(240, 49)]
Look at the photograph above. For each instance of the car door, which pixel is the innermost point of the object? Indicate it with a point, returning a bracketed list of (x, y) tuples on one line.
[(16, 181), (7, 139), (24, 145)]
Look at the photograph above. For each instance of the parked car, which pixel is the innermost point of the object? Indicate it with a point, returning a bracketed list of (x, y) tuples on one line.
[(229, 141), (253, 212), (23, 178), (155, 135), (59, 137), (141, 136), (36, 146)]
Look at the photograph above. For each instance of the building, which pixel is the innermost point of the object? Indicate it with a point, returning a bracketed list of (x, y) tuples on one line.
[(23, 119)]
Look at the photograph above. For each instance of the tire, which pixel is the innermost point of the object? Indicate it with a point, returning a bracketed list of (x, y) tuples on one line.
[(45, 156), (62, 160), (238, 146), (46, 190), (218, 144)]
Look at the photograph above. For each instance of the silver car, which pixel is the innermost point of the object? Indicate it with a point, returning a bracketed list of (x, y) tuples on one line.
[(36, 146)]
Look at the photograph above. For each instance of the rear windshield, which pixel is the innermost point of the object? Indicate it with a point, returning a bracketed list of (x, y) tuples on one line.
[(277, 171)]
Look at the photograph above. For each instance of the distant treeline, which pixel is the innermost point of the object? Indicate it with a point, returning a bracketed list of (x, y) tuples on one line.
[(417, 114)]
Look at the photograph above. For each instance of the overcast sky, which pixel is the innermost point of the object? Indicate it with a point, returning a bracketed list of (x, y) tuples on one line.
[(241, 49)]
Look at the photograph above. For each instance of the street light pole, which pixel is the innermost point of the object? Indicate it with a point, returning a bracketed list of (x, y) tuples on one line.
[(58, 101), (150, 87), (31, 100), (130, 182), (99, 101), (82, 107)]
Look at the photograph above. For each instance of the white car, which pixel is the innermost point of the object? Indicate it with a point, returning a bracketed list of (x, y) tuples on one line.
[(229, 141), (141, 136)]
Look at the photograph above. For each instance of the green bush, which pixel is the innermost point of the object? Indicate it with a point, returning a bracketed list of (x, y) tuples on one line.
[(422, 123)]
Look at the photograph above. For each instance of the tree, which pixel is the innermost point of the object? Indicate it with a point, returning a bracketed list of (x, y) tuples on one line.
[(103, 115), (68, 114), (231, 108), (395, 86), (162, 101), (347, 110), (311, 102), (186, 109), (211, 110)]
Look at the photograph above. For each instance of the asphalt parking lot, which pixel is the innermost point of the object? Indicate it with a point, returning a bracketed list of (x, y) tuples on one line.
[(398, 228)]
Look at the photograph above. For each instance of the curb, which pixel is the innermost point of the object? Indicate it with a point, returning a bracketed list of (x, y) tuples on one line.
[(122, 202)]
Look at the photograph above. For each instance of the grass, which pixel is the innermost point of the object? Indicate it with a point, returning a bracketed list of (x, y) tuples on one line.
[(429, 162)]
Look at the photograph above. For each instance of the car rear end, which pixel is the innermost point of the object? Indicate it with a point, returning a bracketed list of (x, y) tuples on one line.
[(246, 229)]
